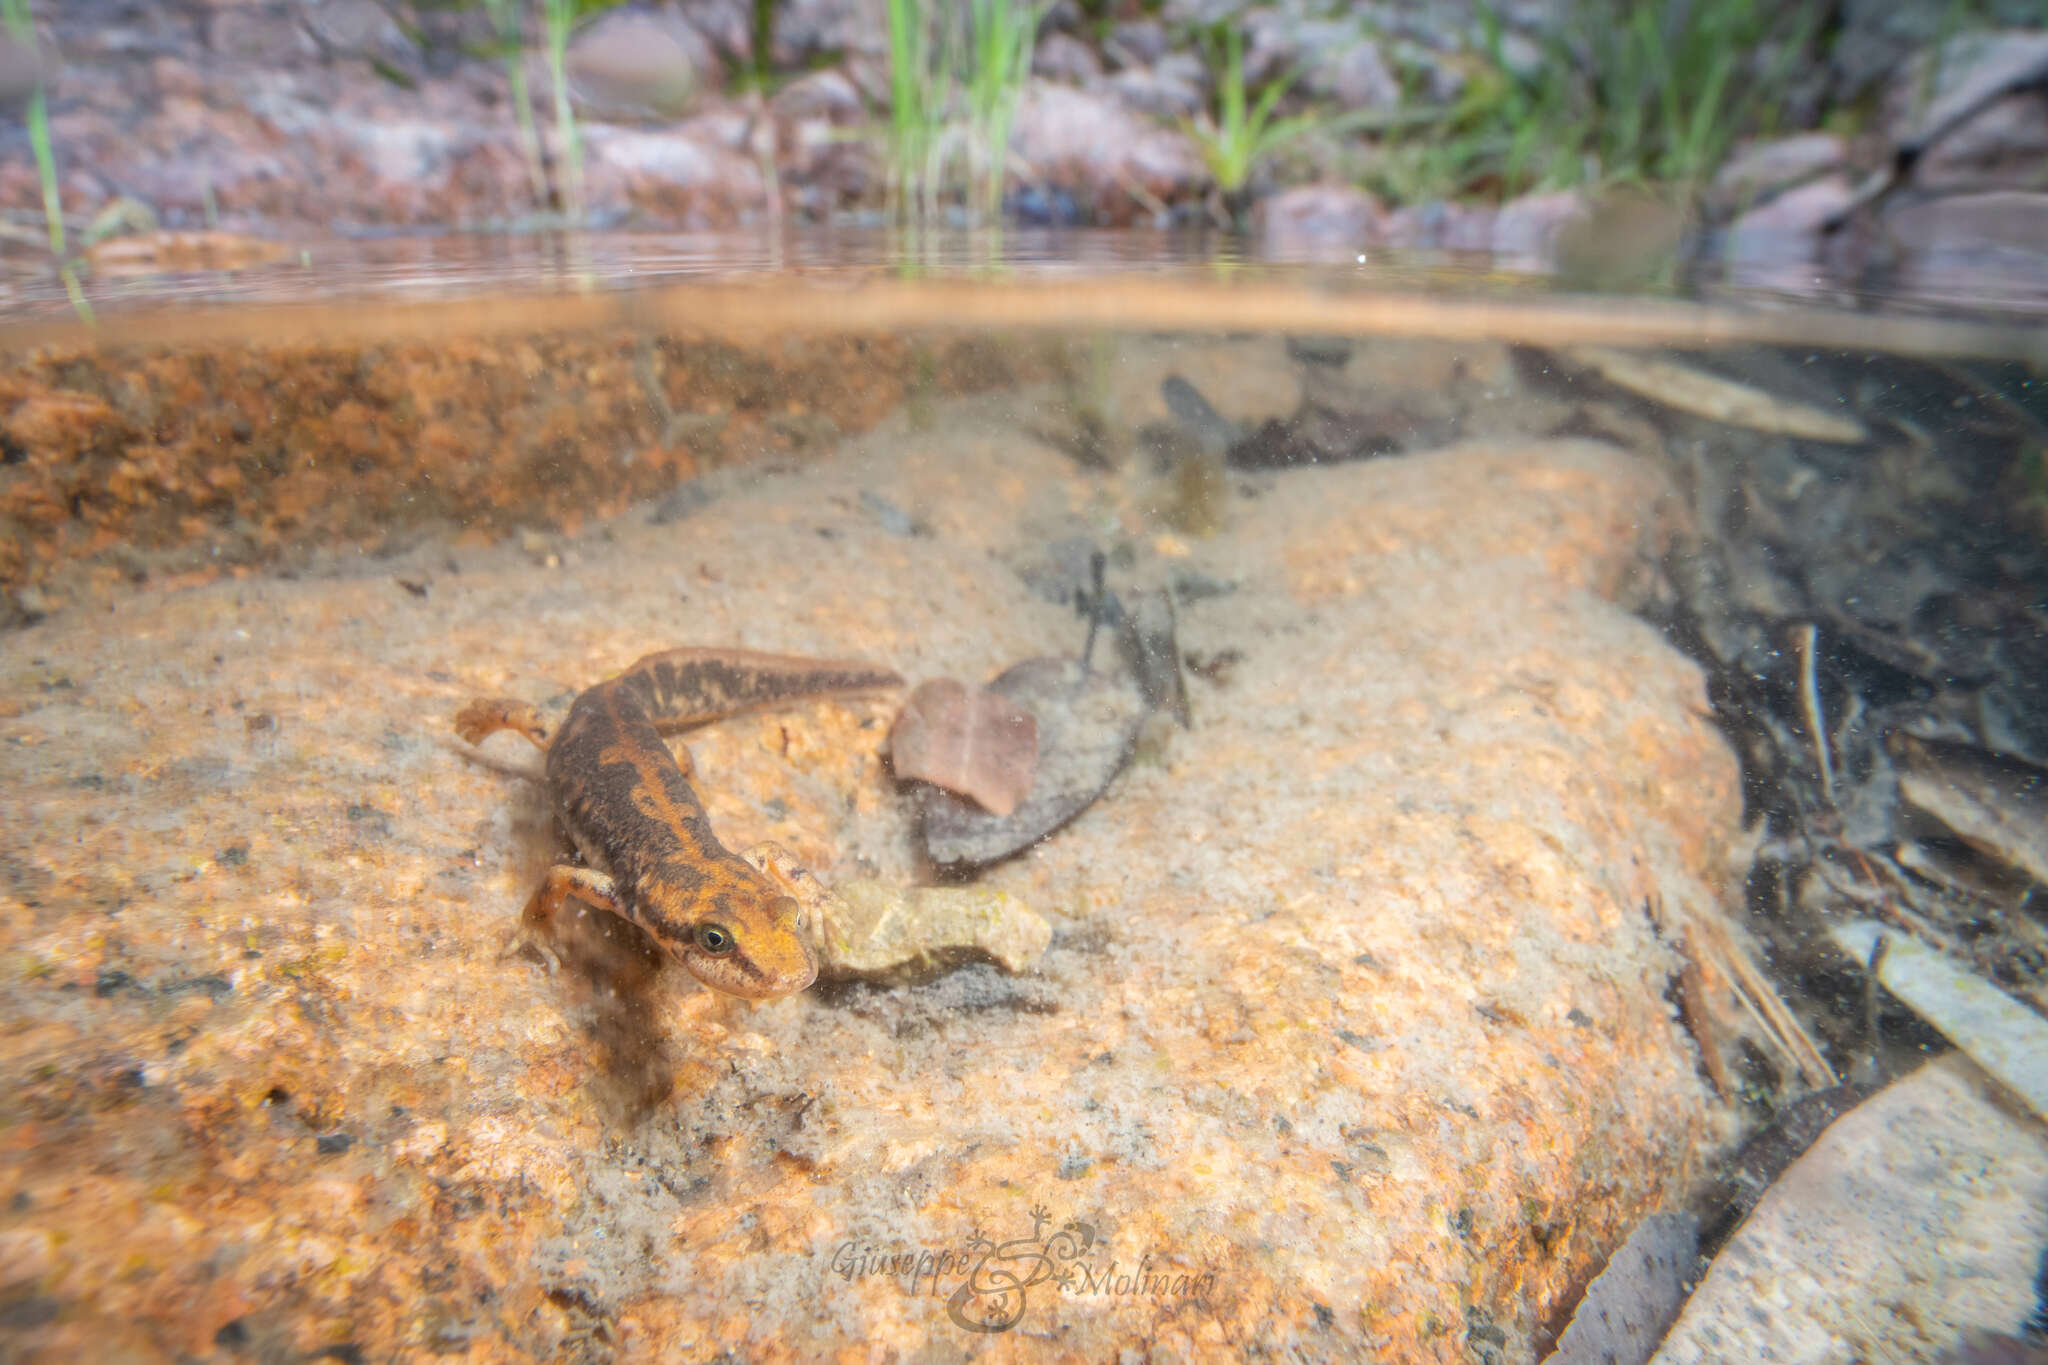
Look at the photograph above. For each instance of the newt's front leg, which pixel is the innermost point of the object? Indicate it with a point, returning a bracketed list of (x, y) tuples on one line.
[(585, 884)]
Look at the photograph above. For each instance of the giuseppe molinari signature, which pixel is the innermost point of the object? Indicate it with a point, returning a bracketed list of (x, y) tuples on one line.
[(996, 1278)]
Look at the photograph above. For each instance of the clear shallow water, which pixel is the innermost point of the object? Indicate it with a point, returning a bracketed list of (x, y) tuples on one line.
[(414, 470)]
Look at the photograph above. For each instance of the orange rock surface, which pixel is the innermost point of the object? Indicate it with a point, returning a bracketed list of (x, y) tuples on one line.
[(136, 461), (1352, 1041)]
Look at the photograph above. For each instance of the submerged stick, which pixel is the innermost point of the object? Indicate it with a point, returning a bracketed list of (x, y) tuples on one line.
[(1997, 1032)]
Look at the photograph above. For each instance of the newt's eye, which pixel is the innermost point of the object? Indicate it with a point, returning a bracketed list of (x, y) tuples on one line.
[(715, 939)]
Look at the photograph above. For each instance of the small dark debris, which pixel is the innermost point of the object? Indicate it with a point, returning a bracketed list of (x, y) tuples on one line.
[(114, 979), (232, 1336), (1192, 585), (1342, 1168), (1578, 1017), (1369, 962), (234, 855), (277, 1096), (1152, 652), (1073, 1167), (1212, 432), (1318, 350), (1324, 1317), (1765, 1156), (347, 1352), (333, 1144), (679, 502), (888, 515), (416, 586), (35, 1310), (1480, 1329), (1216, 669), (579, 1298), (215, 986), (1359, 1041), (1061, 576)]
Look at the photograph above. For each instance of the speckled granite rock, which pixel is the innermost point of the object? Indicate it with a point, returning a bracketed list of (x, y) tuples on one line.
[(1351, 1043)]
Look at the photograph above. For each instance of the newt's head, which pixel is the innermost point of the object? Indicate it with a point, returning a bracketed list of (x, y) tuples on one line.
[(750, 941)]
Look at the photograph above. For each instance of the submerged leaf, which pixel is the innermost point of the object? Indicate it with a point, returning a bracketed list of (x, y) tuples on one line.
[(1088, 726), (967, 740)]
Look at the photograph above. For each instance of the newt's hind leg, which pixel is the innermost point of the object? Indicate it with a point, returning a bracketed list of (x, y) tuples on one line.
[(487, 715)]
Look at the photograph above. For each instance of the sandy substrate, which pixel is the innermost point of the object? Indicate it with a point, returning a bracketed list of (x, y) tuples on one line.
[(1353, 1039)]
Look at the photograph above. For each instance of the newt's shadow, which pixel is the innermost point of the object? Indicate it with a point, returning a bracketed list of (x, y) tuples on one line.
[(617, 970), (610, 975), (610, 968)]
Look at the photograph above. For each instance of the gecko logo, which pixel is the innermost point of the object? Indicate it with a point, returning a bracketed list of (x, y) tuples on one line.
[(992, 1297), (996, 1279)]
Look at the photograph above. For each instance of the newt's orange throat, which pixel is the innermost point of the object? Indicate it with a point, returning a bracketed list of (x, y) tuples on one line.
[(631, 809)]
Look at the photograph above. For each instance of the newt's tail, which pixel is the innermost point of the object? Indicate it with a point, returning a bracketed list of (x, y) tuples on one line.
[(679, 688)]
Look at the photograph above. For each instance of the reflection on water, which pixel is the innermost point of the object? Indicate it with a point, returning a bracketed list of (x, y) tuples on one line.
[(160, 269), (1393, 767)]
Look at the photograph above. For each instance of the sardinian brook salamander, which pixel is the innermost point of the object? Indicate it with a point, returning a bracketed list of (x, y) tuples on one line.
[(632, 810)]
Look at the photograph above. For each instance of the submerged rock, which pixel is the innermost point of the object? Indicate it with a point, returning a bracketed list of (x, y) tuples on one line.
[(1631, 1304), (1349, 986), (1708, 395), (1114, 159), (881, 932), (635, 64), (1919, 1217), (868, 929)]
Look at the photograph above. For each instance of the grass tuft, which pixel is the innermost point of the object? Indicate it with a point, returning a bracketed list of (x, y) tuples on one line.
[(506, 19), (1621, 93), (558, 19), (1242, 134), (956, 77), (21, 27)]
